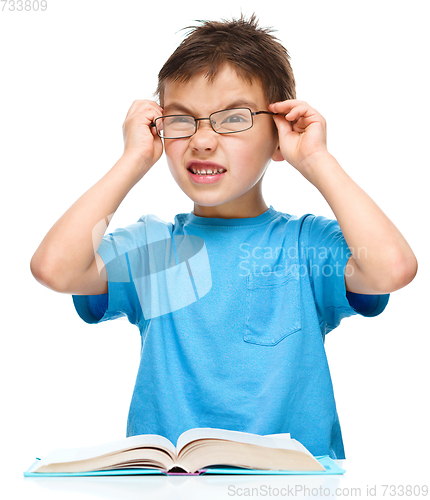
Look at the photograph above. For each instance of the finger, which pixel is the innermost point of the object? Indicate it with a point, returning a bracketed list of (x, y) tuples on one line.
[(283, 125), (154, 131), (132, 108), (144, 112), (285, 106), (301, 110), (148, 109), (142, 104)]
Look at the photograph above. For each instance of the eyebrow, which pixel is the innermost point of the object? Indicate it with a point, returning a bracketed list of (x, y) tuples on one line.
[(177, 106)]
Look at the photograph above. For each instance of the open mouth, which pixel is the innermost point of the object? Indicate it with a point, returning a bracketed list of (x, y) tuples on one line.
[(207, 171), (207, 175)]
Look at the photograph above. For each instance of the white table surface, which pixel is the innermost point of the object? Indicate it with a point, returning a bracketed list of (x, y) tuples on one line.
[(368, 478)]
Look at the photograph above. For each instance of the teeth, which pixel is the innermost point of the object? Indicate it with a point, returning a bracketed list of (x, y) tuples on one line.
[(208, 171)]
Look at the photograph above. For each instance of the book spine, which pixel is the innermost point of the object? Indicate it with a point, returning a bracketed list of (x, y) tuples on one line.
[(198, 473)]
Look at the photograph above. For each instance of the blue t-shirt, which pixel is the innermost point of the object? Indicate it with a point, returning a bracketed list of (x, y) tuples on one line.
[(233, 315)]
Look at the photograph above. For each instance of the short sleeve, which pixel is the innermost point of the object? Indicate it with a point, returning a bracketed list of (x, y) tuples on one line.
[(91, 308), (121, 299), (327, 255), (367, 305)]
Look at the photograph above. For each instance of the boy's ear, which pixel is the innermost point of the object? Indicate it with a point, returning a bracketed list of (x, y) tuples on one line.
[(277, 155)]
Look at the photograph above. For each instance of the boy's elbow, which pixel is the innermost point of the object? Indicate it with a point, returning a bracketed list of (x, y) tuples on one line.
[(44, 274), (39, 272), (404, 270)]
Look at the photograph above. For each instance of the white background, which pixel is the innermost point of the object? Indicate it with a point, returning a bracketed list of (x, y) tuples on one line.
[(68, 78)]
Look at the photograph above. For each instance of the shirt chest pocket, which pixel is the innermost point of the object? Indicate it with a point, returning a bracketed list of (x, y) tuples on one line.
[(272, 309)]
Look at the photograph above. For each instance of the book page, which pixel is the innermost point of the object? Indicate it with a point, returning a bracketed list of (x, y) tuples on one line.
[(74, 454), (285, 435), (269, 441)]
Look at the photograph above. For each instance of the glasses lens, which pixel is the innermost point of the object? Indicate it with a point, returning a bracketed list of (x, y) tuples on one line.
[(175, 126), (232, 120)]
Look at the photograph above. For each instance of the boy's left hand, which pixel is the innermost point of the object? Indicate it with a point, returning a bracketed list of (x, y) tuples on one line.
[(302, 132)]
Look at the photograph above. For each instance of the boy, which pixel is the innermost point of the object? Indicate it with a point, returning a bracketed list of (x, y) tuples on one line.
[(233, 300)]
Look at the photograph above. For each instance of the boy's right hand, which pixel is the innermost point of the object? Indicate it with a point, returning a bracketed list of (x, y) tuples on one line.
[(140, 140)]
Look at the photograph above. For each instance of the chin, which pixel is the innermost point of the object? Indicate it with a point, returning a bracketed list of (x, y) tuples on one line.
[(205, 202)]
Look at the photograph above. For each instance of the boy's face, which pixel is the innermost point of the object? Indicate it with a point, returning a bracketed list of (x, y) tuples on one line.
[(245, 155)]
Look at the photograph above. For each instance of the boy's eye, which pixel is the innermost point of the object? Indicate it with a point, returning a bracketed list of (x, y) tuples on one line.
[(181, 119), (177, 125), (234, 119), (231, 120)]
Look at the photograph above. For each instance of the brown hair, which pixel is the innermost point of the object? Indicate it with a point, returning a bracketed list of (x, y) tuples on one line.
[(251, 50)]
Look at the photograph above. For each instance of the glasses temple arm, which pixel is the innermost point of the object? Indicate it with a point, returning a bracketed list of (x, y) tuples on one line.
[(265, 112)]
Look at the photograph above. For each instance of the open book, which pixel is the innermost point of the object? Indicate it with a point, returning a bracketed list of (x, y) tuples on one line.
[(196, 449)]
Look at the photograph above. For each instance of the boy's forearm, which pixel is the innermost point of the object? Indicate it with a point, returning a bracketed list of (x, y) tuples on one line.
[(378, 248), (69, 247)]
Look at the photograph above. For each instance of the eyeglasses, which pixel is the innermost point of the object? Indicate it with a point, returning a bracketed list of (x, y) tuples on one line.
[(227, 121)]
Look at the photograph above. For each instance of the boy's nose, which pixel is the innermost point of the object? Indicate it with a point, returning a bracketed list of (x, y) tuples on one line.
[(205, 138)]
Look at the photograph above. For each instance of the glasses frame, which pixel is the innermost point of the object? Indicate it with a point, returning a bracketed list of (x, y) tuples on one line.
[(154, 124)]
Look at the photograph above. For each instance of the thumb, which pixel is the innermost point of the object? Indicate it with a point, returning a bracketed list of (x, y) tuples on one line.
[(283, 125)]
